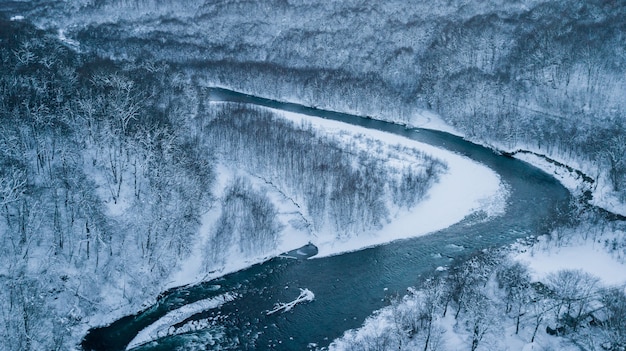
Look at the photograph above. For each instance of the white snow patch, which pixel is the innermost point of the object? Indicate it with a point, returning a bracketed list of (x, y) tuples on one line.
[(426, 119), (306, 295), (466, 188), (586, 255), (605, 197), (68, 41), (160, 327)]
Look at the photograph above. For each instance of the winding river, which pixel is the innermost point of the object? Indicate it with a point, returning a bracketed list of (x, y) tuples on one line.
[(347, 287)]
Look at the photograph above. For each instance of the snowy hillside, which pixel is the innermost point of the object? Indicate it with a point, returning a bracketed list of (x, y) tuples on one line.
[(121, 177)]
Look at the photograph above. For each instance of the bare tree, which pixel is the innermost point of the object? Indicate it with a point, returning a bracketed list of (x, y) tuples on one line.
[(514, 278), (612, 318), (572, 291), (478, 319)]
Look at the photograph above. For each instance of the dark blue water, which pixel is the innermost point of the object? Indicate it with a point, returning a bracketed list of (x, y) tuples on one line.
[(348, 287)]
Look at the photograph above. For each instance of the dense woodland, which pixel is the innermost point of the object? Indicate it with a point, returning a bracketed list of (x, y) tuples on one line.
[(118, 124), (108, 168), (530, 74), (83, 142)]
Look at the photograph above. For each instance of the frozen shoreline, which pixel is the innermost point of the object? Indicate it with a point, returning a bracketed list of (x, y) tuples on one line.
[(467, 187)]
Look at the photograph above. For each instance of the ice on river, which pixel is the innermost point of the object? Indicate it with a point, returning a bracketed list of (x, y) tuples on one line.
[(160, 327), (306, 295)]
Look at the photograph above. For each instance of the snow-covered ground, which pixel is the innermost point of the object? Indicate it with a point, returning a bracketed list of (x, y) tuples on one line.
[(467, 187), (161, 327), (590, 255), (429, 120), (295, 232), (603, 196), (448, 335)]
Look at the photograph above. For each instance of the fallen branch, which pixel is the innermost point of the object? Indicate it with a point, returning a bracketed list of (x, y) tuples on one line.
[(305, 295)]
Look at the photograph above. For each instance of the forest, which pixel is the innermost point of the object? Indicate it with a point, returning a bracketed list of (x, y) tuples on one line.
[(108, 168), (82, 143), (109, 146), (524, 74)]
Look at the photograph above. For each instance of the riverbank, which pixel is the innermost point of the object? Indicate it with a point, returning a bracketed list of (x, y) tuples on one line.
[(465, 189), (395, 265)]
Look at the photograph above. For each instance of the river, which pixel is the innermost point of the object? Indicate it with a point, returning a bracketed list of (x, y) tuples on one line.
[(347, 287)]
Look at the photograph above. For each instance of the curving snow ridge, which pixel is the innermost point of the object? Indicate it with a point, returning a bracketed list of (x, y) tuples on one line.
[(162, 325), (466, 188)]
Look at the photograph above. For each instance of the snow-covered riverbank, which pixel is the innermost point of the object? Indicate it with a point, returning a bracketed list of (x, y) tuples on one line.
[(577, 176), (163, 326), (467, 187)]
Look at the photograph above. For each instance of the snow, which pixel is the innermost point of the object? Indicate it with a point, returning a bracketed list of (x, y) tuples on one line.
[(603, 195), (587, 255), (161, 326), (429, 120), (66, 40), (466, 188), (605, 198), (192, 266), (293, 235), (306, 295), (191, 270)]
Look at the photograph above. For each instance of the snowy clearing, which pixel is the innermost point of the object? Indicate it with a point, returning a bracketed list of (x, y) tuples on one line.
[(544, 258)]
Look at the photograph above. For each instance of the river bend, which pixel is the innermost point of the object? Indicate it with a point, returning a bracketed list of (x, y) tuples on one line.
[(347, 287)]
